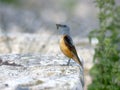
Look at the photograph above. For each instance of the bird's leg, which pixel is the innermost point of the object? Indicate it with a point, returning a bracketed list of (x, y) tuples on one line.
[(68, 62)]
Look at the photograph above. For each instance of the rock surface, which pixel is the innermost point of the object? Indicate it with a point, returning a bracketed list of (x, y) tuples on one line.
[(38, 72), (47, 44)]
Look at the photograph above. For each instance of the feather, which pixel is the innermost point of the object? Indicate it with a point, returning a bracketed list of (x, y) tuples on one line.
[(69, 43)]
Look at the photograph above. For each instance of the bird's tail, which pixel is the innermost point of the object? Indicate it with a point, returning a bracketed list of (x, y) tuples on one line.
[(77, 59)]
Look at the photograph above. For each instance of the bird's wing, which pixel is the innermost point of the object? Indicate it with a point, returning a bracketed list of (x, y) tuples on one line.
[(69, 43)]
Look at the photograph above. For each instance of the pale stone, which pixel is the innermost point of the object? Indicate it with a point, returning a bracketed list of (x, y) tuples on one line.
[(39, 72)]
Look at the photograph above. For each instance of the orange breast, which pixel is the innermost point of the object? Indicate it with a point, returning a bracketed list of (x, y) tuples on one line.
[(65, 49)]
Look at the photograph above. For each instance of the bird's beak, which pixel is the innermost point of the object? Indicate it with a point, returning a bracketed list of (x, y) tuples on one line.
[(57, 25)]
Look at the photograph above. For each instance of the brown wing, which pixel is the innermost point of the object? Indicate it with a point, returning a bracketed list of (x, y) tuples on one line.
[(69, 44)]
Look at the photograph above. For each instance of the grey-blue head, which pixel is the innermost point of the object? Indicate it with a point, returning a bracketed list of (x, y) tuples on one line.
[(64, 29)]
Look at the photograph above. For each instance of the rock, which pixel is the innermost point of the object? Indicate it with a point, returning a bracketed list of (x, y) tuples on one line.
[(39, 72), (47, 44)]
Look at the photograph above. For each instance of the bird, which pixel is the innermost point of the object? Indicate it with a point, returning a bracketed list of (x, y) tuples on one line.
[(66, 44)]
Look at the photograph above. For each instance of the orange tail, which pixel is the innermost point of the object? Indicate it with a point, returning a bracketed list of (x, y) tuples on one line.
[(76, 58)]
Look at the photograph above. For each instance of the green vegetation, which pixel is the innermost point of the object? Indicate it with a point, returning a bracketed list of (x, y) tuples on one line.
[(106, 70), (10, 1)]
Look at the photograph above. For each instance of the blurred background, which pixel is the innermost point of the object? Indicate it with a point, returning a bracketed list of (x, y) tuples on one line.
[(28, 26), (32, 16)]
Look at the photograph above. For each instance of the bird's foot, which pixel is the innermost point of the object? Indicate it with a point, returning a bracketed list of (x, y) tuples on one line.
[(68, 63)]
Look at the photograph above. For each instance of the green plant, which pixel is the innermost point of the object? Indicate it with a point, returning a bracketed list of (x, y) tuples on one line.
[(10, 1), (106, 70)]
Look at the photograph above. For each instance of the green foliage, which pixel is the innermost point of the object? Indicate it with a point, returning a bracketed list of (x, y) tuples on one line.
[(106, 70), (10, 1)]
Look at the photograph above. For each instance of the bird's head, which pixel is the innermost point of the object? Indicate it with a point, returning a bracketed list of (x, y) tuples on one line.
[(64, 29)]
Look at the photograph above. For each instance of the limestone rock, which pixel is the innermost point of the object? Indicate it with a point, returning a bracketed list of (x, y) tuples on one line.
[(39, 72)]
